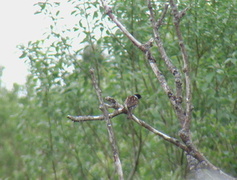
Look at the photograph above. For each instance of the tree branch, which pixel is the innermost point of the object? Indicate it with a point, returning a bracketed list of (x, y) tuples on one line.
[(168, 62), (160, 21), (104, 109), (135, 119), (94, 118), (145, 48), (186, 69), (172, 140), (108, 11), (176, 100)]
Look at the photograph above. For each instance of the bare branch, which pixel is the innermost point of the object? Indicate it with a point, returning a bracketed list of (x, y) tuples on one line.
[(134, 118), (159, 22), (186, 68), (187, 147), (108, 11), (172, 140), (103, 108), (174, 99), (95, 118), (162, 50), (183, 12)]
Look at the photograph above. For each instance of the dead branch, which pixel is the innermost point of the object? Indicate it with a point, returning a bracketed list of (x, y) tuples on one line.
[(160, 46), (94, 118), (122, 110), (111, 134), (175, 98), (186, 69)]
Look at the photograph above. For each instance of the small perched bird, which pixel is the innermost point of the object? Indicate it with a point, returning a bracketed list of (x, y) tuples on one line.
[(131, 102)]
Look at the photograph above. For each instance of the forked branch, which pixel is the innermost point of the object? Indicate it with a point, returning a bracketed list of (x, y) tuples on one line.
[(175, 98), (122, 110)]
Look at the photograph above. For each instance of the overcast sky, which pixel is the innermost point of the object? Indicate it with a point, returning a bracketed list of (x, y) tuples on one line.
[(18, 25)]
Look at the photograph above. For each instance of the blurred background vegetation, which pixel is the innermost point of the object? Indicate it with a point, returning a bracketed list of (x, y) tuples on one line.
[(38, 142)]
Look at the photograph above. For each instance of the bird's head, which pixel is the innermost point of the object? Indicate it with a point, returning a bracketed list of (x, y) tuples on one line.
[(138, 96)]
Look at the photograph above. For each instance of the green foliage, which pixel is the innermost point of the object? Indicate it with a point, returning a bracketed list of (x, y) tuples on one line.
[(38, 142)]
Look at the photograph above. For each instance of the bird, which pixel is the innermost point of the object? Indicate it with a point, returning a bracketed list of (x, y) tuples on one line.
[(131, 102)]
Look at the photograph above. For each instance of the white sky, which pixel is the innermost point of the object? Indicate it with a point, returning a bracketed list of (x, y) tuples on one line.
[(18, 25)]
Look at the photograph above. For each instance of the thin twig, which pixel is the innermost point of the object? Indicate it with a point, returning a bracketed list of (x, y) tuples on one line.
[(160, 21), (137, 154), (104, 109)]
